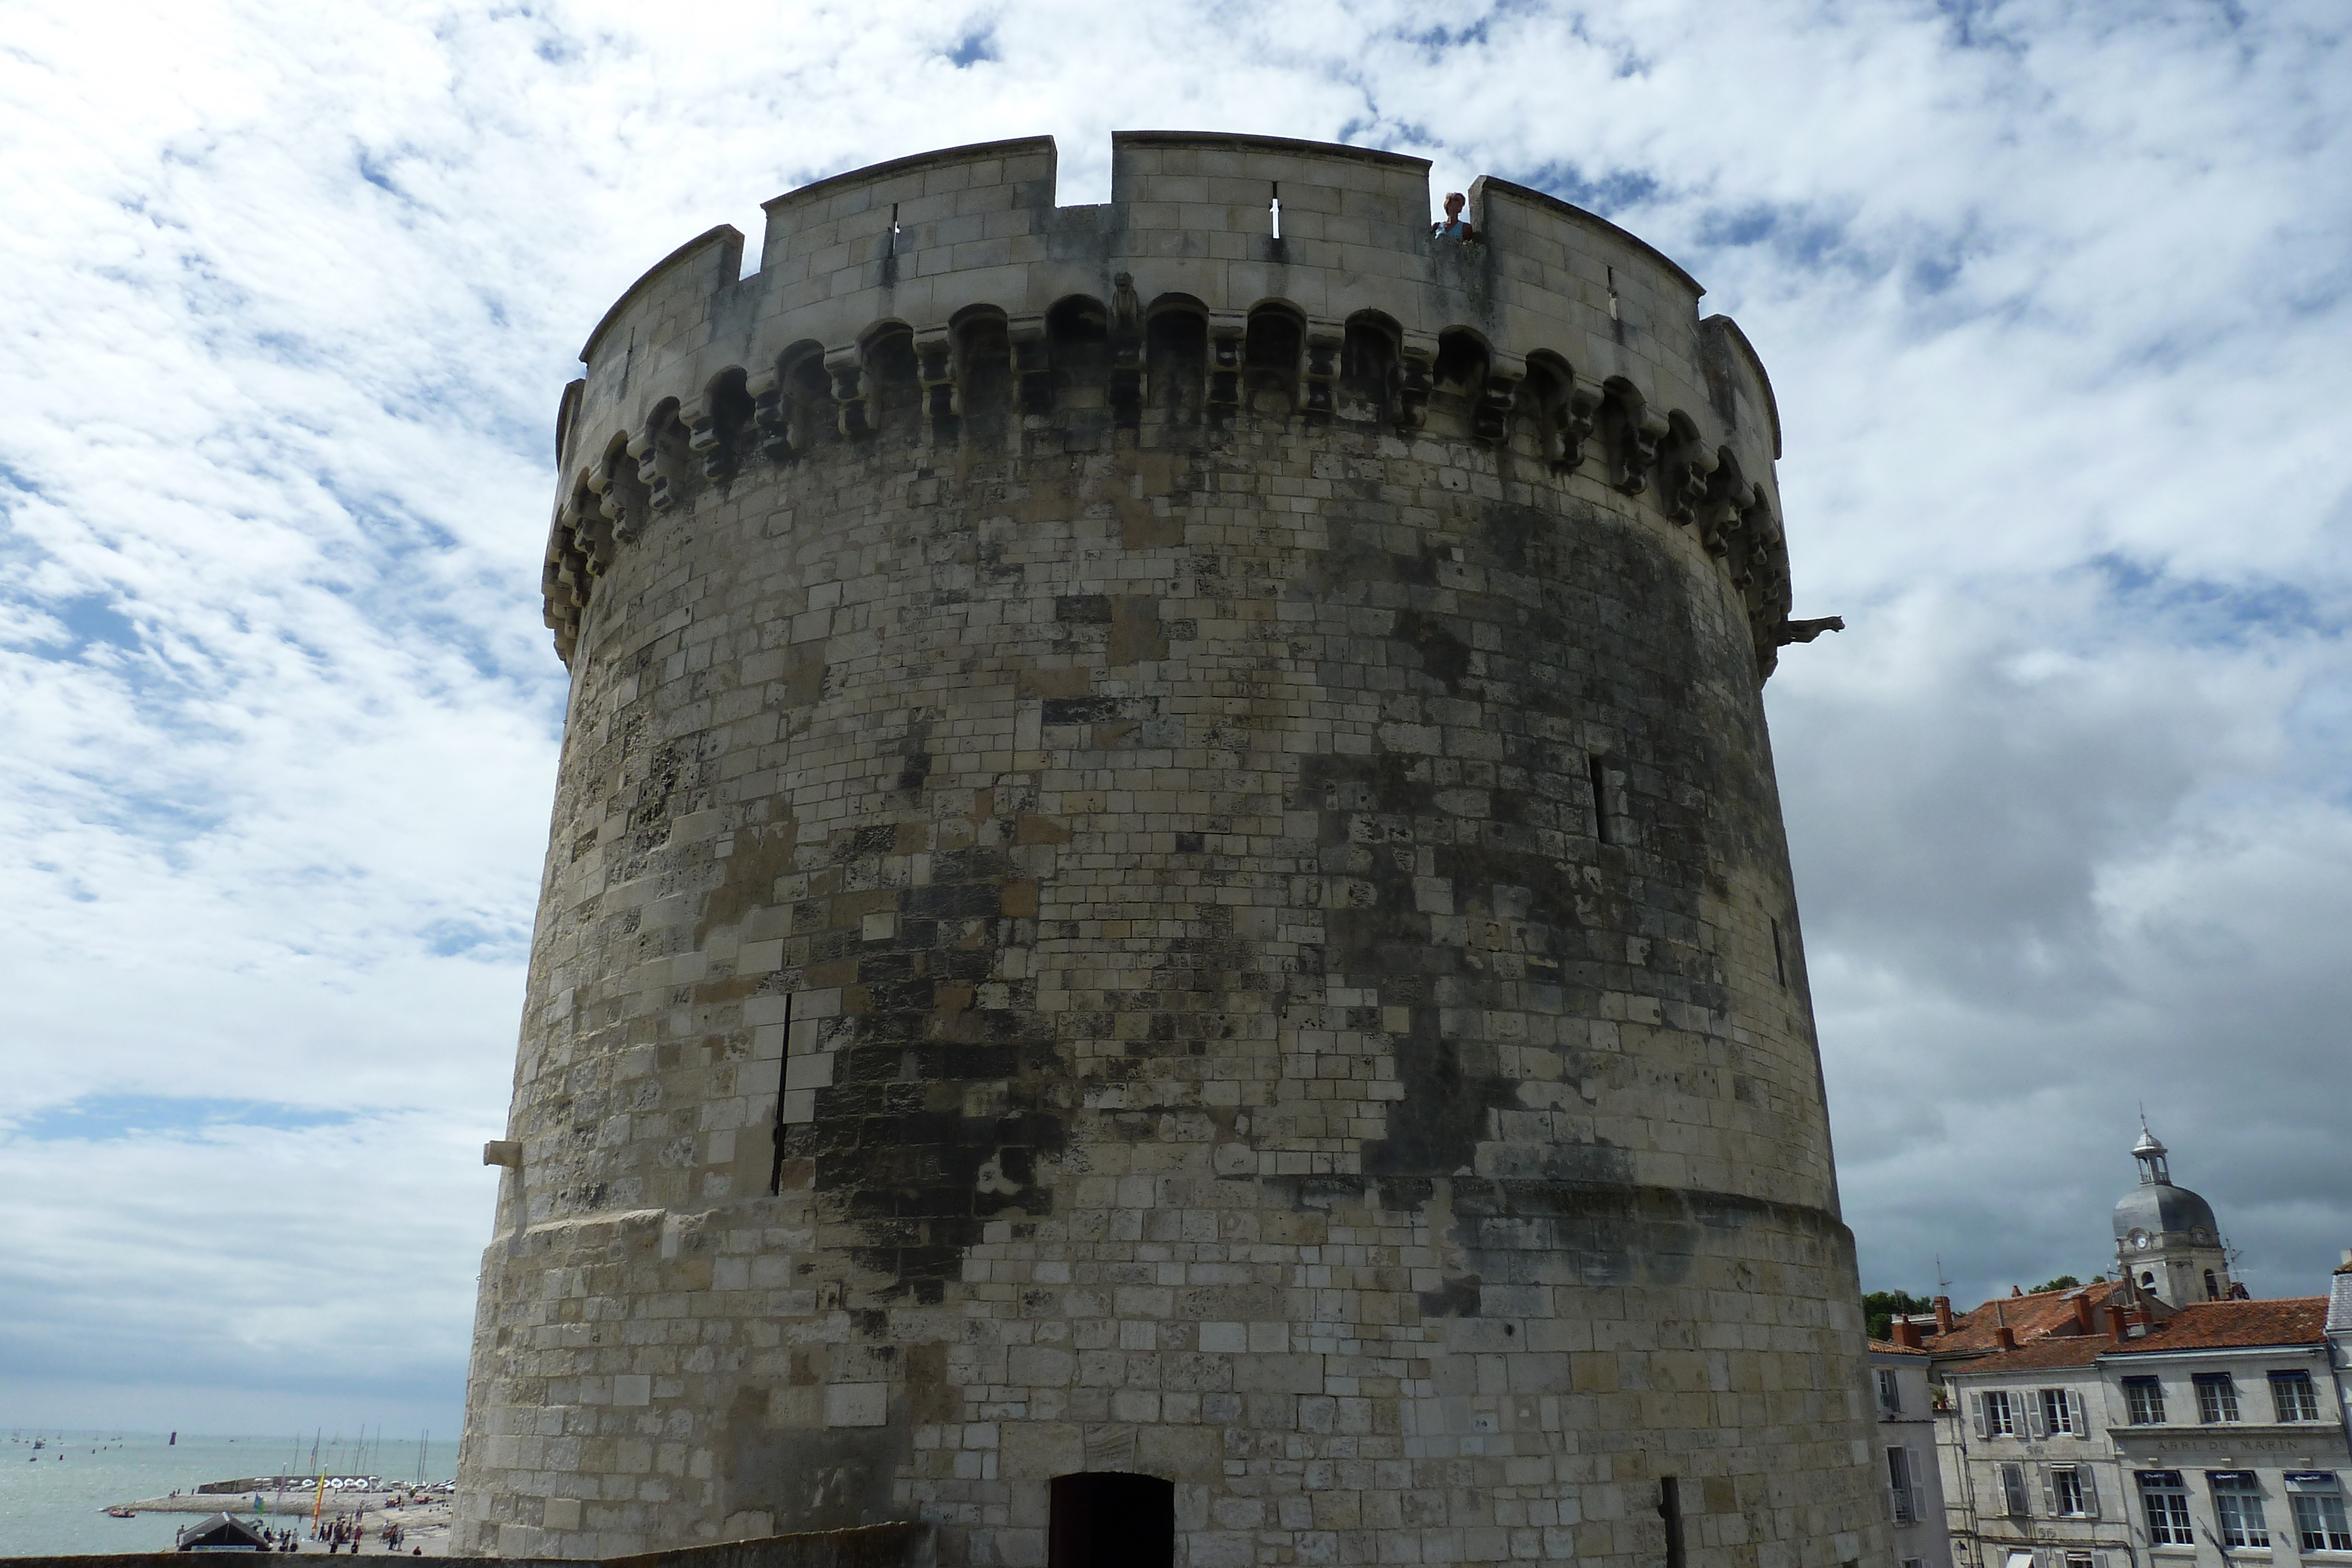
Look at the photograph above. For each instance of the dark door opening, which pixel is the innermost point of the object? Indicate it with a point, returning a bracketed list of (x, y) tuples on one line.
[(1110, 1519)]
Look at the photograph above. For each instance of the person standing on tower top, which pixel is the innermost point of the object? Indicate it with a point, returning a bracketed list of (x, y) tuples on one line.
[(1455, 225)]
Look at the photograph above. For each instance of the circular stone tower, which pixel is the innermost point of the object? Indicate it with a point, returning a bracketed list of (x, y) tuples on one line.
[(1167, 910)]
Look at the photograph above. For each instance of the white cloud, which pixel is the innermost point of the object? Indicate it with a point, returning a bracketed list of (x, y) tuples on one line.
[(2054, 294)]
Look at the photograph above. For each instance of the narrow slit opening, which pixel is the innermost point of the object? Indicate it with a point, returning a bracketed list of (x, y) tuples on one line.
[(1274, 207), (783, 1071), (1598, 768), (1670, 1511), (1779, 959)]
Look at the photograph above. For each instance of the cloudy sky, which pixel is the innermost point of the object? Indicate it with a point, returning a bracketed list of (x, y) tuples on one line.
[(2055, 300)]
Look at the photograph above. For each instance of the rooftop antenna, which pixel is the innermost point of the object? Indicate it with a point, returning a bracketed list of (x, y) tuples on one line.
[(1943, 1286)]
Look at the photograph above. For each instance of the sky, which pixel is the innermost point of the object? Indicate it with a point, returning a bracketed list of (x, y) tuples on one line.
[(2055, 299)]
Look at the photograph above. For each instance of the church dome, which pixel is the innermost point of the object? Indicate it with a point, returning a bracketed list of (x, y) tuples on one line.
[(2154, 1209)]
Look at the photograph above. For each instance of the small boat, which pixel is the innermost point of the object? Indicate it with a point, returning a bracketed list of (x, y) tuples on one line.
[(119, 1512)]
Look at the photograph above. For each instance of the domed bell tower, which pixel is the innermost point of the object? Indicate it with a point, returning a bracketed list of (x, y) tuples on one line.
[(2166, 1236)]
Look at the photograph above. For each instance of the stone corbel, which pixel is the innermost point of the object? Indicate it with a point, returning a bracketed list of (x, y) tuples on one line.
[(612, 499), (1124, 392), (845, 369), (1639, 431), (592, 534), (1579, 410), (707, 438), (772, 416), (1689, 473), (1228, 345), (1490, 422), (1032, 363), (1416, 374), (1318, 372), (935, 368), (646, 452), (1718, 513)]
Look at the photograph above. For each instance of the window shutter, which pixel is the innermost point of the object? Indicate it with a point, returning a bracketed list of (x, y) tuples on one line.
[(2074, 1409), (2049, 1493), (1976, 1404), (2034, 1426), (2090, 1490), (1919, 1492)]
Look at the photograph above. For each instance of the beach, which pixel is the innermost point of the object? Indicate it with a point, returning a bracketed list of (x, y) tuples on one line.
[(53, 1498)]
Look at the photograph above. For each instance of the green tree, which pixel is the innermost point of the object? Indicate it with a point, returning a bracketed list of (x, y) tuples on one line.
[(1879, 1308), (2063, 1282)]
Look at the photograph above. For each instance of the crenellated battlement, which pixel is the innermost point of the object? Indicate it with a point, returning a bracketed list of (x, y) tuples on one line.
[(946, 300)]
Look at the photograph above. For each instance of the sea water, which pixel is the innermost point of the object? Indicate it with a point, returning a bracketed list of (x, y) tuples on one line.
[(54, 1499)]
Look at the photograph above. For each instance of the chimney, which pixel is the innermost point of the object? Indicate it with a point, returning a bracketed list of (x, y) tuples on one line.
[(2005, 1336), (2114, 1325), (1944, 1305), (2083, 1324), (2016, 1290), (1907, 1333)]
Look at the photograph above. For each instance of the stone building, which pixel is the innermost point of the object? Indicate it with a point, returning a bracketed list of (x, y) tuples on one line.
[(1167, 935), (2196, 1442), (1905, 1402)]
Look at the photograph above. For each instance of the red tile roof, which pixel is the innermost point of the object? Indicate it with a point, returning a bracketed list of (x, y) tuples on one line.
[(2206, 1325), (2292, 1320), (2038, 1316), (1887, 1347), (2078, 1350)]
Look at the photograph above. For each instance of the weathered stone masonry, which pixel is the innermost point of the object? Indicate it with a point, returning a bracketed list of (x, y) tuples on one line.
[(1166, 860)]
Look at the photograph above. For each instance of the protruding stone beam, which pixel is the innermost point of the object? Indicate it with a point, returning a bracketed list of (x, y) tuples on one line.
[(1228, 346), (1490, 420), (1032, 363), (935, 369), (1416, 374), (845, 369), (1318, 371), (772, 416), (1806, 631)]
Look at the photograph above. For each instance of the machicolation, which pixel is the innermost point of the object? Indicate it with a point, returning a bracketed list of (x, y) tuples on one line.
[(1167, 937)]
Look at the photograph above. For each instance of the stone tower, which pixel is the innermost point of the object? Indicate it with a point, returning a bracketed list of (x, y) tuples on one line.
[(1167, 911)]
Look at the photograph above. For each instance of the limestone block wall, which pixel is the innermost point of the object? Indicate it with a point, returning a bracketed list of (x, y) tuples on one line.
[(1166, 860)]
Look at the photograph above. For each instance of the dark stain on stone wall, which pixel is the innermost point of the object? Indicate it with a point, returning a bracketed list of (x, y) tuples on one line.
[(939, 1108)]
